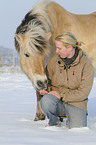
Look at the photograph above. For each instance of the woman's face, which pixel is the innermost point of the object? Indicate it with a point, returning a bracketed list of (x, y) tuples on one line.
[(62, 50)]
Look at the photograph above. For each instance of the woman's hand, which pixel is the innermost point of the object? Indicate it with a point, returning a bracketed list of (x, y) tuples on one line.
[(43, 92), (55, 94)]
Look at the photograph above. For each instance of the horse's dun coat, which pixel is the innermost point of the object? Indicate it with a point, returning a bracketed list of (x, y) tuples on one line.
[(35, 36)]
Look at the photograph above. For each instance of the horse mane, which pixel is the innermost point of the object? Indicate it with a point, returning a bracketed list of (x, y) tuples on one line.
[(35, 26)]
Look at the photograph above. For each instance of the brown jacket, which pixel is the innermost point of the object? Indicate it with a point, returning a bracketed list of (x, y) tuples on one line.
[(73, 83)]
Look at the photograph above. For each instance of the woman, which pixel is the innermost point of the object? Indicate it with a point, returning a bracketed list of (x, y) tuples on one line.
[(71, 75)]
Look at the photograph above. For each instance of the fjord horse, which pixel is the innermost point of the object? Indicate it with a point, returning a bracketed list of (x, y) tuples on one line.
[(35, 36)]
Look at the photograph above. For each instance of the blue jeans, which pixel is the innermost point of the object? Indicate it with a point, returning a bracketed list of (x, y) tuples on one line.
[(54, 108)]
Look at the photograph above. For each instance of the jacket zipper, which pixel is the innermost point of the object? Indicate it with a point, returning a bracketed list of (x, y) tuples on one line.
[(67, 73), (67, 77)]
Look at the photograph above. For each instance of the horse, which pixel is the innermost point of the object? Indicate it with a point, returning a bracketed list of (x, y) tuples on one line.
[(35, 40)]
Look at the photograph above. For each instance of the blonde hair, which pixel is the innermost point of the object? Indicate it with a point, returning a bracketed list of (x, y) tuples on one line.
[(67, 38)]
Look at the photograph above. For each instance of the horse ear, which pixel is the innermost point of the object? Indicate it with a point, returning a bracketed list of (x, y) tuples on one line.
[(48, 35), (18, 37)]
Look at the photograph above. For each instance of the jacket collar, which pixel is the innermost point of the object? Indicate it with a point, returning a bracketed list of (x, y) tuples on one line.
[(61, 63)]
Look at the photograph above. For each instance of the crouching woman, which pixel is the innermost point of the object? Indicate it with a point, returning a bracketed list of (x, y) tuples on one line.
[(71, 75)]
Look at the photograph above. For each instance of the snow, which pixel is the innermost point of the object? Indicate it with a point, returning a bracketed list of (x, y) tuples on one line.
[(17, 113)]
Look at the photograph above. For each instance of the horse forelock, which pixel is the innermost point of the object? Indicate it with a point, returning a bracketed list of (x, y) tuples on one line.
[(35, 43), (34, 26)]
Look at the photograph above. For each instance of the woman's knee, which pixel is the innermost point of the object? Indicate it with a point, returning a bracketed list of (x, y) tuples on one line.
[(47, 101)]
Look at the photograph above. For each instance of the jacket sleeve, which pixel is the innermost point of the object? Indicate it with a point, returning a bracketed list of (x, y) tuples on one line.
[(82, 92)]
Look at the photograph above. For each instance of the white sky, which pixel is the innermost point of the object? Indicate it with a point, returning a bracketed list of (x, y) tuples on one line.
[(13, 11)]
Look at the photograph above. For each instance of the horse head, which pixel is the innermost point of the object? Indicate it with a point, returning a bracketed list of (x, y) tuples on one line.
[(32, 41)]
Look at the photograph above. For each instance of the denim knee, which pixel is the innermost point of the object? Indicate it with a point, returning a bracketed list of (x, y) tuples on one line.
[(48, 102), (45, 101)]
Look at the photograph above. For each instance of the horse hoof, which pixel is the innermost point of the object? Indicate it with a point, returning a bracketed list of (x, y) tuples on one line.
[(39, 117)]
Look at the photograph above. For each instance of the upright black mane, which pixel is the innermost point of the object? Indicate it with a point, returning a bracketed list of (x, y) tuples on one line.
[(23, 27)]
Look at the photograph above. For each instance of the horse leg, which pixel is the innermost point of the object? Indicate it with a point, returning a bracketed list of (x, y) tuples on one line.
[(39, 113)]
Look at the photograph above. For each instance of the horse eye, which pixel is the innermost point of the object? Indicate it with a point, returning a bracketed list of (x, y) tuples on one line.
[(26, 55)]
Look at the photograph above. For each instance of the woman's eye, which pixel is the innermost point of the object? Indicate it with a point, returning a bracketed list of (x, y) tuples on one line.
[(27, 55)]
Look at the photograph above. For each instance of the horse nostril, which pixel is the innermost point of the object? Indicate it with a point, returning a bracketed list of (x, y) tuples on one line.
[(40, 84), (46, 82)]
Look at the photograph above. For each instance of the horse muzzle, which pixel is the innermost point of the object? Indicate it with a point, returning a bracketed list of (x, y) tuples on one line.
[(42, 84)]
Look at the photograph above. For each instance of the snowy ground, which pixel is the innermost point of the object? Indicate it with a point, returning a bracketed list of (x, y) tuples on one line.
[(17, 112)]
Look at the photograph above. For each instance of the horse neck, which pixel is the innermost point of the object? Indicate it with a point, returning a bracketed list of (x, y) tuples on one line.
[(60, 18), (51, 50)]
